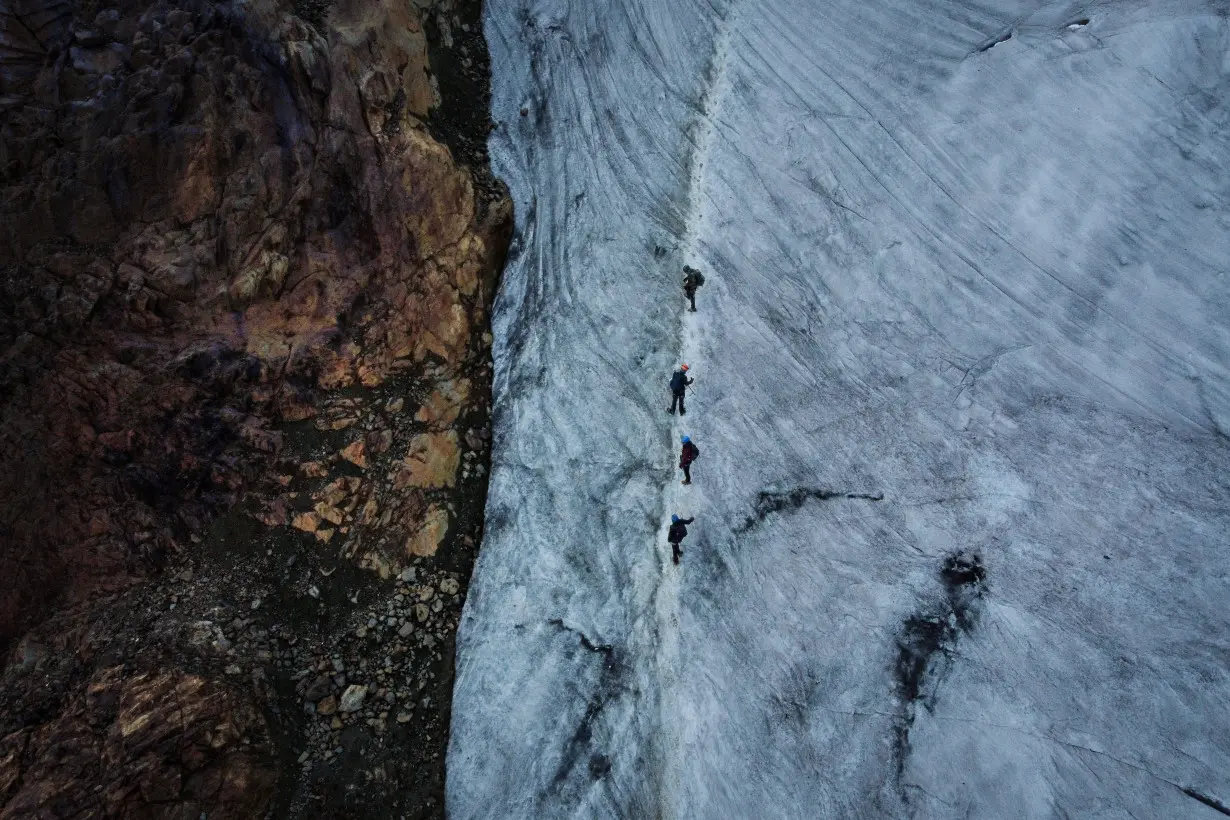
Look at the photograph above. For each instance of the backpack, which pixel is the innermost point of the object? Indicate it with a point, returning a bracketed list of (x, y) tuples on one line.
[(700, 277)]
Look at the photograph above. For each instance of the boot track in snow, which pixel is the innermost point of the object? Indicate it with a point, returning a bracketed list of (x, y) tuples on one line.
[(690, 501)]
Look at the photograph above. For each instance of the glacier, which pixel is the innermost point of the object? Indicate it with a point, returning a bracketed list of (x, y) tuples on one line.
[(963, 504)]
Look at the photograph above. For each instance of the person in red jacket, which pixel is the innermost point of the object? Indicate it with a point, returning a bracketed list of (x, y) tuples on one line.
[(686, 456)]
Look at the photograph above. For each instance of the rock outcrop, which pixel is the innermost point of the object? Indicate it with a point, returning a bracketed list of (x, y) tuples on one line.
[(138, 745), (235, 240)]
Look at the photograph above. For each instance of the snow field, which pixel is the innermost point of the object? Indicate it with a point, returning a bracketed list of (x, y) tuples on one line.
[(965, 297)]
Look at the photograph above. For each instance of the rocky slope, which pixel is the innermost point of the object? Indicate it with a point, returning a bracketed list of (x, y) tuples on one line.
[(247, 253)]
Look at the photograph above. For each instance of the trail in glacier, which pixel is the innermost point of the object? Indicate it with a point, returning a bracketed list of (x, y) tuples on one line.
[(841, 345), (689, 501)]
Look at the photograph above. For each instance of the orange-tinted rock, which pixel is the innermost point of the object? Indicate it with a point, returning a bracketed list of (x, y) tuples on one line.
[(427, 539), (444, 404), (335, 492), (356, 454), (330, 514), (307, 522), (431, 462)]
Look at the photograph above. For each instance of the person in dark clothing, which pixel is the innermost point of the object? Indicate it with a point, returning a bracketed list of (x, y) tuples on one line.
[(677, 533), (692, 279), (686, 456), (679, 383)]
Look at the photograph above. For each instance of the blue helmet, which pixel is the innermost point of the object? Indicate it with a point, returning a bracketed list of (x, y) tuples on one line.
[(685, 439), (674, 518)]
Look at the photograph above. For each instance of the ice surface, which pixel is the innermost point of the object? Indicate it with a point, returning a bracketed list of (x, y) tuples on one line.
[(969, 259)]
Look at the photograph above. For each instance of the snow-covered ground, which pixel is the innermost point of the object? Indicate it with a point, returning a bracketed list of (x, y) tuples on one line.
[(967, 263)]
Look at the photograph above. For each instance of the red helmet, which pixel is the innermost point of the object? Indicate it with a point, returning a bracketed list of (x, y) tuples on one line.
[(683, 367)]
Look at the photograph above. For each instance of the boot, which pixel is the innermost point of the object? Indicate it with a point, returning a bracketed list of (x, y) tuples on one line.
[(685, 481)]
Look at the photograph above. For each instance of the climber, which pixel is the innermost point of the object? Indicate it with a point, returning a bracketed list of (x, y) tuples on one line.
[(692, 279), (677, 533), (686, 456), (679, 383)]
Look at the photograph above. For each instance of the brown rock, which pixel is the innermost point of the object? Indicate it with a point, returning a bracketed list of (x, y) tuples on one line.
[(444, 404), (430, 462), (379, 563), (379, 441), (370, 510), (430, 535), (275, 514), (327, 705), (292, 410), (335, 492), (307, 522), (356, 454), (331, 514), (313, 469), (138, 745)]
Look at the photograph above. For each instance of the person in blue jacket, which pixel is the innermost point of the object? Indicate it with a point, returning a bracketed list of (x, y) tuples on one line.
[(679, 384)]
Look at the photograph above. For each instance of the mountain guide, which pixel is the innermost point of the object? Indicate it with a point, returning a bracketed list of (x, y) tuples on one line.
[(692, 279), (686, 456), (679, 383), (676, 534)]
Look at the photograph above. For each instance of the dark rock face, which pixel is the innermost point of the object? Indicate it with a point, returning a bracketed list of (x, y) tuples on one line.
[(206, 217), (149, 745), (216, 222)]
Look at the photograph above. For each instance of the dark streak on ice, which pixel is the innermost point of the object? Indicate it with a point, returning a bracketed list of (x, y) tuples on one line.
[(927, 638), (768, 503), (601, 648), (599, 765), (1215, 805), (610, 684), (1003, 38)]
